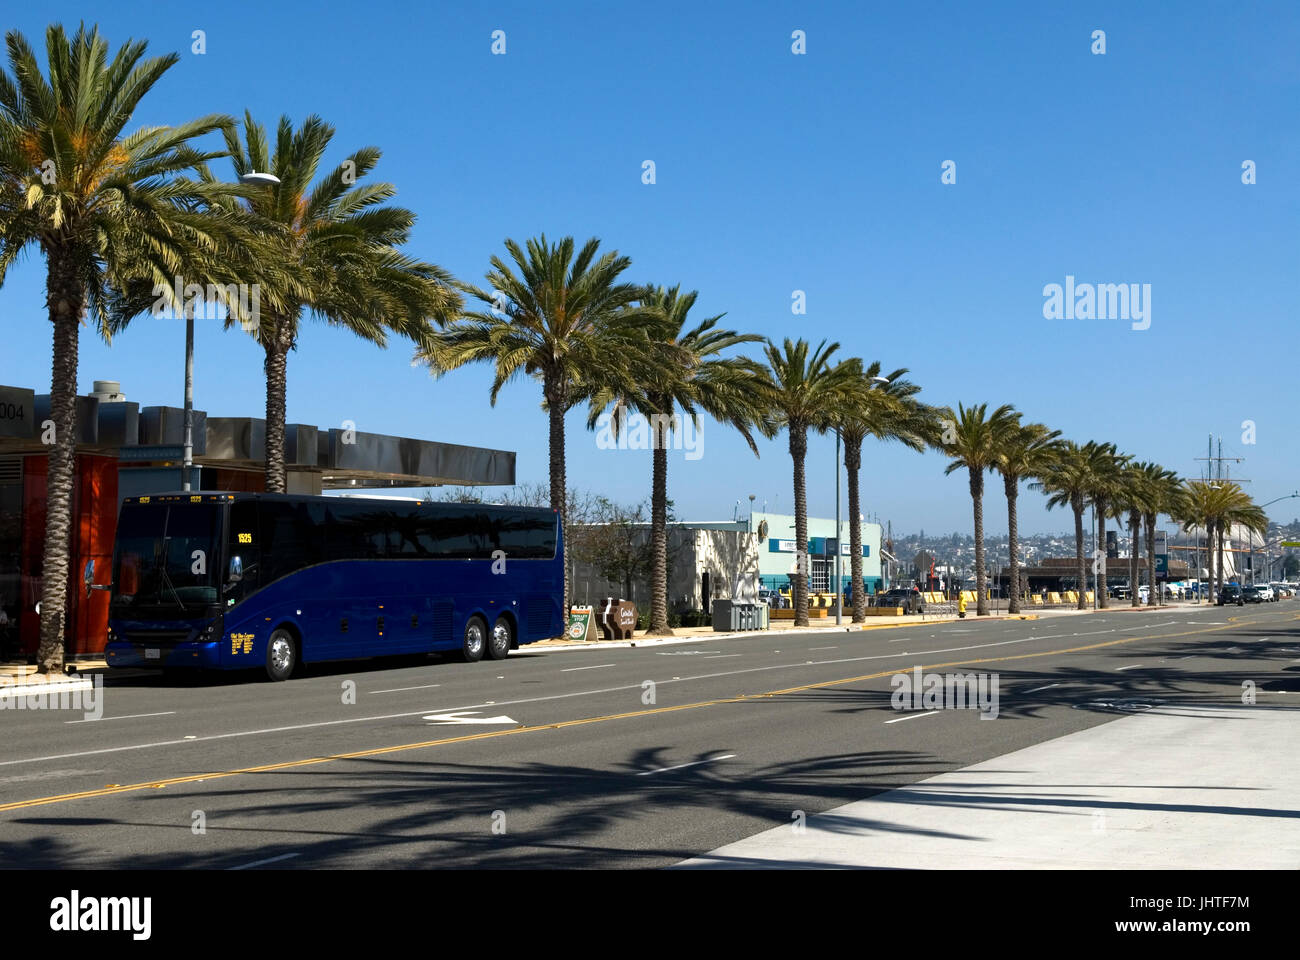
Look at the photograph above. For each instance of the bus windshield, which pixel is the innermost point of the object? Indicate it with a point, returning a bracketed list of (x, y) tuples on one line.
[(166, 560)]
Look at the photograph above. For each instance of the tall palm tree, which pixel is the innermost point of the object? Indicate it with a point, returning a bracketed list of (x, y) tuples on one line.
[(697, 378), (104, 207), (330, 248), (1068, 482), (801, 390), (1162, 493), (884, 408), (1219, 506), (1204, 503), (564, 319), (1131, 501), (973, 439), (1025, 451), (1107, 486)]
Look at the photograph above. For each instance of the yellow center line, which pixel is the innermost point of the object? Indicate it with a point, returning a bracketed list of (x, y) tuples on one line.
[(490, 734)]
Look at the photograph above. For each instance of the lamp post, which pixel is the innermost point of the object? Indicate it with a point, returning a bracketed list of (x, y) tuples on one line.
[(1288, 496), (187, 459)]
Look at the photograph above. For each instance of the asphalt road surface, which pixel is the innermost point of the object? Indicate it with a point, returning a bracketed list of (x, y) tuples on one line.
[(637, 757)]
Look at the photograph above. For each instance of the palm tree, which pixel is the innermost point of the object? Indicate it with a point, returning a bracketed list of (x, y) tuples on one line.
[(105, 208), (1219, 505), (697, 377), (1068, 482), (801, 391), (332, 250), (563, 319), (1162, 493), (973, 439), (1024, 452), (1107, 485), (1131, 500), (883, 408)]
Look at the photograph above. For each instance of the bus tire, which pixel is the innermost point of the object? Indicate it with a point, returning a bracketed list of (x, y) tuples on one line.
[(475, 642), (281, 654), (502, 639)]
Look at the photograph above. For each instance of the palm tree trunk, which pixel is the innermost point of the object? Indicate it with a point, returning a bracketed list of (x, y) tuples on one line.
[(553, 388), (1134, 538), (1012, 486), (799, 592), (853, 463), (659, 535), (66, 305), (977, 496), (1153, 595), (277, 357), (1076, 505), (1101, 554)]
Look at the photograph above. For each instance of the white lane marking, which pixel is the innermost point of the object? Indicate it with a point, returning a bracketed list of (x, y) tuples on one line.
[(262, 863), (427, 686), (1131, 666), (555, 696), (901, 639), (827, 648), (599, 666), (47, 775), (458, 716), (1048, 687), (722, 656), (682, 766), (130, 716), (913, 716)]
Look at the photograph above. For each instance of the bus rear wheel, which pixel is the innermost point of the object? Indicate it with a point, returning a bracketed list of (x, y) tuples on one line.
[(472, 647), (502, 639), (281, 655)]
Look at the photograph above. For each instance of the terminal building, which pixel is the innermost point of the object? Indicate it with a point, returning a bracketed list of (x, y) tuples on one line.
[(123, 449)]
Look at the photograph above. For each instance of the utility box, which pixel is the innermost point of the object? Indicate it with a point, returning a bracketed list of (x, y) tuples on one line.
[(731, 616)]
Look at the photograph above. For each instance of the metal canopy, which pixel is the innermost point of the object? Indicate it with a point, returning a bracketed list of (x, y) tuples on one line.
[(342, 458)]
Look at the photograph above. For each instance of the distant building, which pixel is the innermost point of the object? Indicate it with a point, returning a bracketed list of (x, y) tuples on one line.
[(709, 559)]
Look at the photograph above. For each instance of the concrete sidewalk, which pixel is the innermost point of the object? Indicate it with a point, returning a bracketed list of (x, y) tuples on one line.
[(1180, 788)]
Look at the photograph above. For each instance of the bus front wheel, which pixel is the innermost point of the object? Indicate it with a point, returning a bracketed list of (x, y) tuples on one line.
[(502, 640), (471, 648), (281, 655)]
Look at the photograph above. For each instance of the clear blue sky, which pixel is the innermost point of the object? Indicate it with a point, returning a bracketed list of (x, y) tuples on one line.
[(778, 172)]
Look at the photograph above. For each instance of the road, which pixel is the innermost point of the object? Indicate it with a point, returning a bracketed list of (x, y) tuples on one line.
[(640, 757)]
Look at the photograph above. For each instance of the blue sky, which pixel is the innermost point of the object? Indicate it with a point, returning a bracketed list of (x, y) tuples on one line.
[(775, 173)]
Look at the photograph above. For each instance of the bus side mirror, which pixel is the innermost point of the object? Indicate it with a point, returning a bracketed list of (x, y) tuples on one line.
[(236, 570), (89, 576)]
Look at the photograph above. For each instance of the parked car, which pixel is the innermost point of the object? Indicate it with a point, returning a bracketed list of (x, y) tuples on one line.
[(909, 598), (1231, 593)]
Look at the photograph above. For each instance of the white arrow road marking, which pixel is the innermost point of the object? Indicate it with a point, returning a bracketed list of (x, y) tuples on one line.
[(459, 717)]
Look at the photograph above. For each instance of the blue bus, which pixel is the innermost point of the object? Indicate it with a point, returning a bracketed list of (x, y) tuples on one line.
[(230, 581)]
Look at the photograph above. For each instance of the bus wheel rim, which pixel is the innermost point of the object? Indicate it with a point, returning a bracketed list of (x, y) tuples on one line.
[(501, 637), (474, 639), (281, 654)]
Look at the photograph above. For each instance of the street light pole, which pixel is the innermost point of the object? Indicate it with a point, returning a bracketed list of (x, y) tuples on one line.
[(839, 583), (187, 462)]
